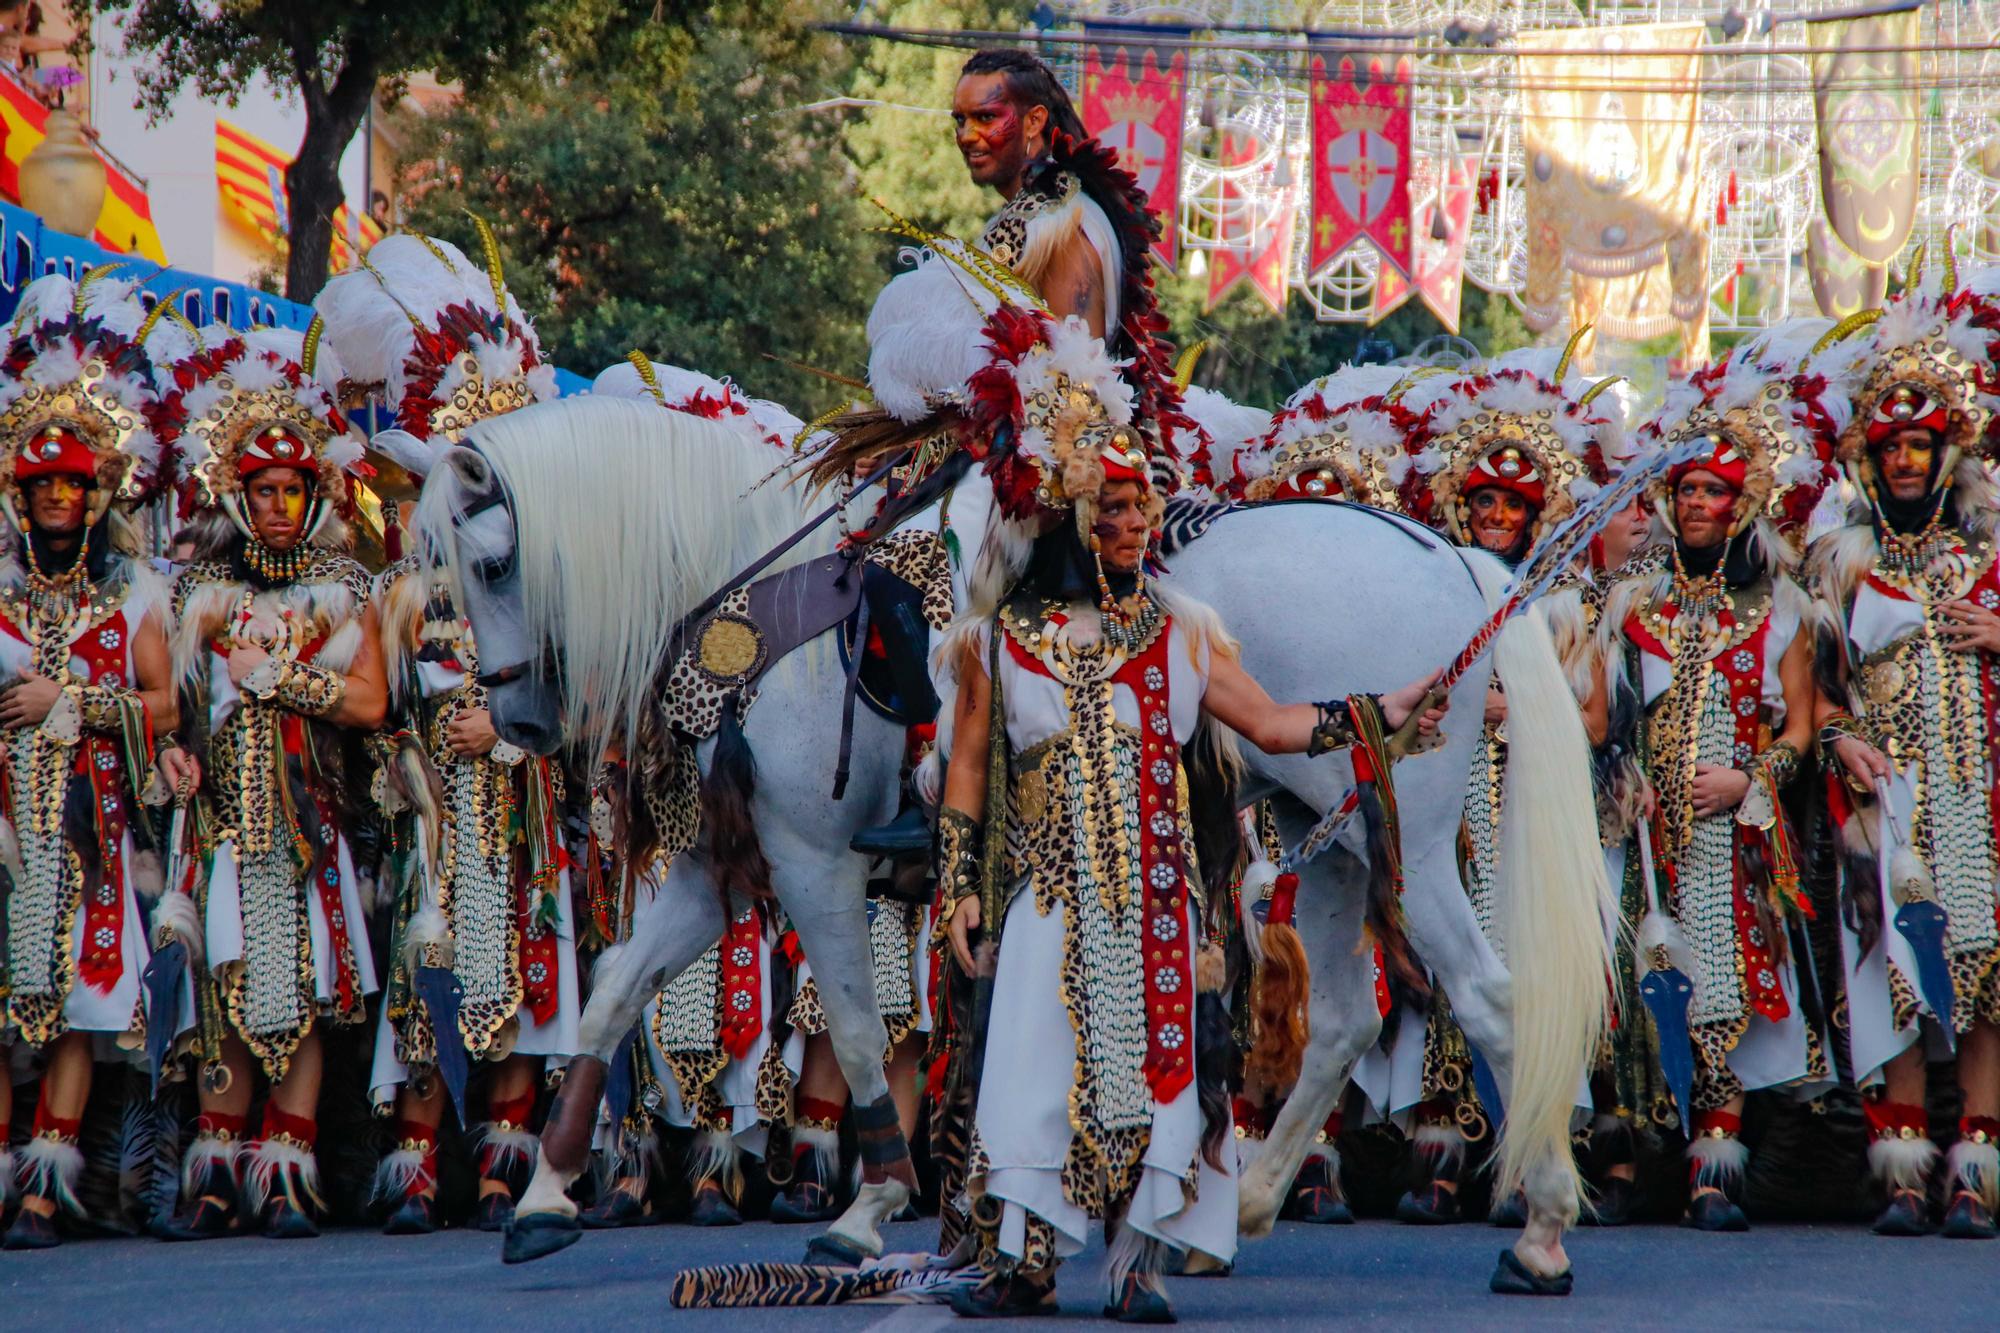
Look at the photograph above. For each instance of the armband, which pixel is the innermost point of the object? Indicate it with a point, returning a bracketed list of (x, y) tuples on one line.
[(959, 841)]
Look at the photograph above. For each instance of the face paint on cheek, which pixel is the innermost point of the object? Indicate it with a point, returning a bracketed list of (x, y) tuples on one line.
[(295, 505)]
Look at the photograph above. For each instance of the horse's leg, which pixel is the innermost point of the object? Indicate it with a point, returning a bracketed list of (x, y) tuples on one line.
[(821, 887), (1345, 1022), (669, 931)]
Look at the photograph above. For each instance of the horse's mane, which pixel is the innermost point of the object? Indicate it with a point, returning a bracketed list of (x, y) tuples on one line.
[(626, 517)]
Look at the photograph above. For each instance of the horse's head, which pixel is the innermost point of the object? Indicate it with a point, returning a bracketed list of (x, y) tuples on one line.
[(518, 671)]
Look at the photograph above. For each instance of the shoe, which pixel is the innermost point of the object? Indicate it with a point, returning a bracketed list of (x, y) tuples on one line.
[(905, 835), (1614, 1204), (1967, 1219), (1511, 1277), (1137, 1303), (805, 1199), (618, 1209), (1713, 1210), (1512, 1212), (1905, 1215), (1316, 1197), (284, 1222), (712, 1208), (207, 1220), (31, 1231), (1006, 1296), (1431, 1206), (415, 1216), (494, 1212)]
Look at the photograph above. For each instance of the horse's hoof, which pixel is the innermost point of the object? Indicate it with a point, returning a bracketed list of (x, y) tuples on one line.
[(537, 1235), (1511, 1277), (835, 1251)]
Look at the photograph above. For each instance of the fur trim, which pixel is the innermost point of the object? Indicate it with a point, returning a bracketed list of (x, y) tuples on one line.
[(50, 1168), (1718, 1162), (632, 1154), (823, 1144), (1440, 1146), (1976, 1166), (1660, 931), (713, 1156), (177, 912), (503, 1151), (207, 1153), (208, 608), (1132, 1253), (1902, 1164), (273, 1169), (404, 1173)]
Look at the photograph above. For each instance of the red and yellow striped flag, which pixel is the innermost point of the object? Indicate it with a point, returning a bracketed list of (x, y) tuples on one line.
[(250, 174), (124, 224)]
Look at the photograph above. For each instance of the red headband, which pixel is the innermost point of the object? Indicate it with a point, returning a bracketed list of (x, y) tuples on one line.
[(1903, 407), (1724, 462), (275, 446), (1508, 469), (55, 452)]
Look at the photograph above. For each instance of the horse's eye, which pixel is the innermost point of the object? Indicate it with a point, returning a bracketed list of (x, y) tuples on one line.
[(495, 568)]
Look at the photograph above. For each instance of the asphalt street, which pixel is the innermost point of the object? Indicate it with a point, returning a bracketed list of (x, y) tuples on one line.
[(1375, 1274)]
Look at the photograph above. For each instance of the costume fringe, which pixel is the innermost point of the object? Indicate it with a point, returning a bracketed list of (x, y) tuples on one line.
[(633, 1154), (49, 1168), (403, 1174), (208, 1153), (1902, 1164), (272, 1168), (1976, 1167), (1718, 1161), (824, 1147), (713, 1156), (503, 1152), (1132, 1253)]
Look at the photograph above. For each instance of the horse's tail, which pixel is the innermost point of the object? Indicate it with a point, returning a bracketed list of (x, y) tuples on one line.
[(729, 841), (1558, 901)]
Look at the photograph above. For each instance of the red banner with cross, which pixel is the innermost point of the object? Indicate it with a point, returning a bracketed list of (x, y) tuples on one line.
[(1444, 221), (1361, 158), (1134, 97)]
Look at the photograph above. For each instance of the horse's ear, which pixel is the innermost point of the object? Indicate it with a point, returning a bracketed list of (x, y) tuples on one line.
[(474, 473)]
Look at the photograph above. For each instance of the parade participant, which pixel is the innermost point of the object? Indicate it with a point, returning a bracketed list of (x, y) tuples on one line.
[(1707, 630), (83, 647), (1501, 456), (441, 345), (1907, 592), (279, 663), (1081, 649)]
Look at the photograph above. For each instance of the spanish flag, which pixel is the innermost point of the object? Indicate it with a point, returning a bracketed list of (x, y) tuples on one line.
[(124, 224), (250, 174)]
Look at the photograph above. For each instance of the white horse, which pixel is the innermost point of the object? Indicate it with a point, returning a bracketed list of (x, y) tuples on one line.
[(548, 504), (579, 533)]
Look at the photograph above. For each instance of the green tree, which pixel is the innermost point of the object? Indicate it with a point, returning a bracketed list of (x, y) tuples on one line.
[(334, 54), (675, 200)]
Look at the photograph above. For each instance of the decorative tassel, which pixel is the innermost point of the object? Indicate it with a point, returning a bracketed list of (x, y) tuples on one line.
[(1281, 995), (176, 918)]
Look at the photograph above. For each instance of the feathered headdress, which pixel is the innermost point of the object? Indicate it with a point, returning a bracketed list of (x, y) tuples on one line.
[(260, 400), (1770, 414), (435, 339), (1523, 424), (77, 394), (1928, 361), (962, 355), (1340, 436)]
